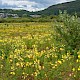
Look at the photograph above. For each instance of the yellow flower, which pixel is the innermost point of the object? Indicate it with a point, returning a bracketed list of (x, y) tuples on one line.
[(11, 60), (79, 68), (12, 67), (1, 57), (21, 64), (59, 62), (11, 56), (35, 73), (46, 75), (77, 60), (61, 49), (56, 65), (47, 47), (39, 67), (1, 40), (27, 63), (73, 69), (17, 64), (1, 66), (79, 56), (13, 73), (74, 75), (23, 73)]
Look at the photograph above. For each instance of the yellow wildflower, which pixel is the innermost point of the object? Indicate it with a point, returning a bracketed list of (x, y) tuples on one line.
[(73, 69), (35, 73), (17, 64), (1, 66), (13, 73), (61, 49), (59, 62), (79, 56), (77, 60), (79, 68)]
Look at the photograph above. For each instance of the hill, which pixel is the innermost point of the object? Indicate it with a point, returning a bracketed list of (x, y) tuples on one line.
[(71, 7)]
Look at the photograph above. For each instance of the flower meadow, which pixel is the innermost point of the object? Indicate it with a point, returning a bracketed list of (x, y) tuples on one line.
[(28, 52)]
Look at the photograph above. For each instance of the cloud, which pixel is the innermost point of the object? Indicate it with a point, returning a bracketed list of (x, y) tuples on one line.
[(19, 4), (30, 5)]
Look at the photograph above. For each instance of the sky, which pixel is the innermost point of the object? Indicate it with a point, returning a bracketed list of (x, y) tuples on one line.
[(30, 5)]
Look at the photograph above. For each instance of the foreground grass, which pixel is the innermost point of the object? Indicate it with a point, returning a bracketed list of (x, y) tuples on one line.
[(27, 52)]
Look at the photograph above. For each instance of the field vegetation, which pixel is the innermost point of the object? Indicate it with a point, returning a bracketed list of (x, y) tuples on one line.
[(40, 51), (28, 19)]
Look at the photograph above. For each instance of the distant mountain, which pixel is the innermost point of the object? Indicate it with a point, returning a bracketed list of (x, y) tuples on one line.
[(71, 7)]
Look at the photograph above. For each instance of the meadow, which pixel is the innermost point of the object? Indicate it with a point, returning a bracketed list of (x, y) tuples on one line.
[(28, 52)]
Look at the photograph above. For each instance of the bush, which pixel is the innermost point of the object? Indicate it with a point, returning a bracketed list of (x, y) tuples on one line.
[(68, 32)]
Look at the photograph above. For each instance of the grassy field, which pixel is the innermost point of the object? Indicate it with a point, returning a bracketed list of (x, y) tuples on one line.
[(28, 52)]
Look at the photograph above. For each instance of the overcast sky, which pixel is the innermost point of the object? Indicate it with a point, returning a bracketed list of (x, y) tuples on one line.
[(30, 5)]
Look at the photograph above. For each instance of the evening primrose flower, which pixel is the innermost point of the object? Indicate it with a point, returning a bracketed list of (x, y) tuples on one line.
[(77, 60), (12, 68), (61, 49), (63, 60), (73, 69), (2, 57), (13, 73), (1, 66), (47, 55), (79, 68), (46, 75), (30, 56), (42, 67), (35, 73), (21, 64), (79, 56), (23, 73), (39, 67), (10, 60), (55, 65), (64, 56), (17, 64), (59, 62), (74, 75), (11, 56), (47, 47), (27, 64)]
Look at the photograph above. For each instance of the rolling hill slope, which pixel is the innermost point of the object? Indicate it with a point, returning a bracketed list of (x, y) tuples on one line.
[(71, 7)]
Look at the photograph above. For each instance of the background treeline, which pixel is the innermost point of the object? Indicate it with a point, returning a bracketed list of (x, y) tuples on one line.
[(29, 19), (51, 18)]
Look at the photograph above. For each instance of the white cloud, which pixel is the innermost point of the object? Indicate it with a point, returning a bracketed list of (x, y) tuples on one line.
[(20, 4)]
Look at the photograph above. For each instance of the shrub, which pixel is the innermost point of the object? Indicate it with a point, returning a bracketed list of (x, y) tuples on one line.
[(68, 32)]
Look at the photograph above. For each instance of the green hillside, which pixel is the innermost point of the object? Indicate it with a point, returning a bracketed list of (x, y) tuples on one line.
[(71, 7)]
